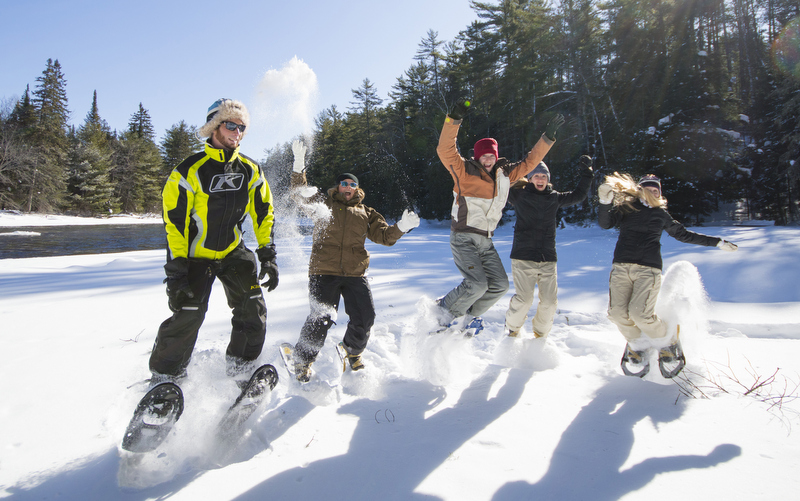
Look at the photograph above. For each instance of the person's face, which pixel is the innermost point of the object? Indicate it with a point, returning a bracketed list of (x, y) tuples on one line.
[(227, 139), (653, 191), (539, 181), (348, 188), (487, 160)]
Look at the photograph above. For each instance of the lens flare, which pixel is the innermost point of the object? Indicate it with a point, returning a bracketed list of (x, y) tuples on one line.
[(786, 49)]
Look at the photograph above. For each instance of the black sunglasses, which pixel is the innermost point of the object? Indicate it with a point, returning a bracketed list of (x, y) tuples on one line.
[(346, 184), (234, 126)]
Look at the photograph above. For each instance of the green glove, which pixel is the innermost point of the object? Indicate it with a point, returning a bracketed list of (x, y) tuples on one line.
[(460, 109), (552, 126)]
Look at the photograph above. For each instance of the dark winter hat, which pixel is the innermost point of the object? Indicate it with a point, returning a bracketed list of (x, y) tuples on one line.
[(346, 175), (220, 111), (540, 169), (650, 180), (484, 146)]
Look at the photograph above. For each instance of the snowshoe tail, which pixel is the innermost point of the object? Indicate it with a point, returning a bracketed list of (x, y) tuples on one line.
[(264, 379), (297, 370), (632, 359), (288, 360), (671, 360), (342, 352), (154, 417)]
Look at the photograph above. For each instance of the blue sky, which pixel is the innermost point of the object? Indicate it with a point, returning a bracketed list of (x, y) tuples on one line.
[(286, 60)]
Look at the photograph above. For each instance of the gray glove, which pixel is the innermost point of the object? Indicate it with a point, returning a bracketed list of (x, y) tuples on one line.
[(605, 193), (727, 246)]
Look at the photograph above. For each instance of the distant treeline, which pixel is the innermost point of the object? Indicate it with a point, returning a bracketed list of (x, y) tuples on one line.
[(703, 93)]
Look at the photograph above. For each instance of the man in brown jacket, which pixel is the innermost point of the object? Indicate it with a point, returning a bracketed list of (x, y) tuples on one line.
[(338, 264)]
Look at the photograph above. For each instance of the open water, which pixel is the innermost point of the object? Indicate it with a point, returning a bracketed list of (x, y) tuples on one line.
[(40, 241)]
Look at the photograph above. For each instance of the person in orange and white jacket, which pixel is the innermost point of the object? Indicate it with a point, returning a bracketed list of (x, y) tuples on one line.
[(480, 191)]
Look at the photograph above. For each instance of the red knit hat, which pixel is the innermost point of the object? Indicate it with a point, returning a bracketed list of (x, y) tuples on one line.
[(484, 146)]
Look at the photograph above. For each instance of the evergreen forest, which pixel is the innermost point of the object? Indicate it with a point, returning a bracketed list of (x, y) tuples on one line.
[(703, 93)]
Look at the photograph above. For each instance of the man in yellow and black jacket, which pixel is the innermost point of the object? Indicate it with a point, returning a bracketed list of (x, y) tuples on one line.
[(206, 200)]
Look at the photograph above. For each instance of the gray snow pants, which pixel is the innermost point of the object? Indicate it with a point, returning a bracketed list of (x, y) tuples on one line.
[(485, 279)]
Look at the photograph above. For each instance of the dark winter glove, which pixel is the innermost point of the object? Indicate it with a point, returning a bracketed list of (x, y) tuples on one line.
[(266, 256), (586, 162), (553, 125), (178, 289), (460, 109)]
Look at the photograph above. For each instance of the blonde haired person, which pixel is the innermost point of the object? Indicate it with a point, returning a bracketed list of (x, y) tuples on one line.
[(639, 210)]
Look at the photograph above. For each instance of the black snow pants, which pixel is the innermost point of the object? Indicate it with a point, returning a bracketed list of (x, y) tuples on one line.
[(324, 293), (177, 335)]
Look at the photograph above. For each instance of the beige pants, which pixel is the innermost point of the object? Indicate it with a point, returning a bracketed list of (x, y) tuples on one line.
[(528, 274), (633, 292)]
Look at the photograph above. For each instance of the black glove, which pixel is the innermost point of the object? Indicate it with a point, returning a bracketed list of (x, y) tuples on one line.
[(552, 126), (586, 162), (460, 109), (267, 255), (178, 289)]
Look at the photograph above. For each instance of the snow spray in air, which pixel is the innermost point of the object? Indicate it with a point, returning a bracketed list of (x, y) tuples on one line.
[(285, 102)]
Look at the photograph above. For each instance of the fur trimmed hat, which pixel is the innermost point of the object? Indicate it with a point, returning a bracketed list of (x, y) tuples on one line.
[(540, 169), (222, 110), (484, 146)]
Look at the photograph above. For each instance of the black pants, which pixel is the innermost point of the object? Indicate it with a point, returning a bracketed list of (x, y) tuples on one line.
[(178, 334), (324, 293)]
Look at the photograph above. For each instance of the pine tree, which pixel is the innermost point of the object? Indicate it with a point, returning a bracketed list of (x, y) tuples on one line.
[(179, 142), (138, 167), (89, 184), (45, 176), (141, 125)]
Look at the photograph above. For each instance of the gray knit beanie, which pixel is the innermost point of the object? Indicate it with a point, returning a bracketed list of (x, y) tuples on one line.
[(540, 169)]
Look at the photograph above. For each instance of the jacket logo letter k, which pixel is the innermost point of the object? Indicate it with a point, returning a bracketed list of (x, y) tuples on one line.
[(226, 182)]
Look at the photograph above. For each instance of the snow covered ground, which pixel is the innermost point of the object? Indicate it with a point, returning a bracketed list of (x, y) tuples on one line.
[(432, 417)]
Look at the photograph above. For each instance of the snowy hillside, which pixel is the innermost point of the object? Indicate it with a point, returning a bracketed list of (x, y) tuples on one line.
[(432, 417)]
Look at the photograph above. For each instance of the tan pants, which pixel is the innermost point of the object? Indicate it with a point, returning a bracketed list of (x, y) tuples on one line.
[(528, 274), (633, 292)]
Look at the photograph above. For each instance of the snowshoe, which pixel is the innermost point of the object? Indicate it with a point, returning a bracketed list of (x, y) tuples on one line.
[(671, 360), (634, 363), (263, 380), (296, 368), (154, 417)]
